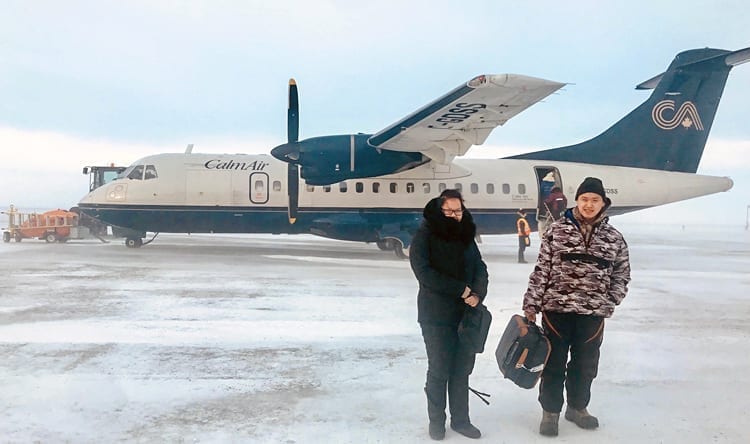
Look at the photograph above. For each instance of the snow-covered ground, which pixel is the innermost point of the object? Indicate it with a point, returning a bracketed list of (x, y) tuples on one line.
[(285, 339)]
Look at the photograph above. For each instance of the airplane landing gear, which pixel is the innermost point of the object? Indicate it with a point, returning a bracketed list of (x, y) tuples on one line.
[(133, 242), (401, 252), (395, 245), (384, 245)]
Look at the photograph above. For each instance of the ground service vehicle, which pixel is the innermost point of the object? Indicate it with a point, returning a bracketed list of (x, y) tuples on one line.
[(52, 226)]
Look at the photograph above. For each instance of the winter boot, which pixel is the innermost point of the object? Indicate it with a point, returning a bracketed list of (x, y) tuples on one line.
[(581, 418), (548, 427), (437, 430), (436, 400), (466, 429)]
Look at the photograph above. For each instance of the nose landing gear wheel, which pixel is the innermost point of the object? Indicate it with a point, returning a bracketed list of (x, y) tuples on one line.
[(133, 242)]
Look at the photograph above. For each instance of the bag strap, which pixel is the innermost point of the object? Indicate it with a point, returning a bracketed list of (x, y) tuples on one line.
[(480, 395)]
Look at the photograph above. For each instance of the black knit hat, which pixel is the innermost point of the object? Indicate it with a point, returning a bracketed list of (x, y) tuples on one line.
[(593, 185)]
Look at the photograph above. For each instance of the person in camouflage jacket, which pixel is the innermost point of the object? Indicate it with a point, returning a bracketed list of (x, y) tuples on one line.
[(582, 273)]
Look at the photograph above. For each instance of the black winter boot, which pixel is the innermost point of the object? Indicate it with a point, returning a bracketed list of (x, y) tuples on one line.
[(458, 398), (437, 430), (466, 429), (436, 400), (581, 418), (550, 420)]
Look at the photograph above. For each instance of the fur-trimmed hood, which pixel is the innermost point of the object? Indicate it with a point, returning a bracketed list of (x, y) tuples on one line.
[(446, 227)]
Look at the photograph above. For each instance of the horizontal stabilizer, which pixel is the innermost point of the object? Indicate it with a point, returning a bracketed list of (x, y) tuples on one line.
[(733, 58)]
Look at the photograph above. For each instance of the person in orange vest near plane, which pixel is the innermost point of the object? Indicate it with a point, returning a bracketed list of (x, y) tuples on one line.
[(524, 230)]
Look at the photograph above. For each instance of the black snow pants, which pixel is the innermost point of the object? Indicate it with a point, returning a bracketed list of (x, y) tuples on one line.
[(448, 366), (582, 335)]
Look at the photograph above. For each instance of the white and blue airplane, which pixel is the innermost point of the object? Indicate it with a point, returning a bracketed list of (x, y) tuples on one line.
[(373, 187)]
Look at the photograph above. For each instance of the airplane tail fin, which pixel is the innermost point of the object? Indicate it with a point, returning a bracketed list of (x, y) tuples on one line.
[(669, 130)]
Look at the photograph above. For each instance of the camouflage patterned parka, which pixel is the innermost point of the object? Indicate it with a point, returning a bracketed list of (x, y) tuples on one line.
[(571, 277)]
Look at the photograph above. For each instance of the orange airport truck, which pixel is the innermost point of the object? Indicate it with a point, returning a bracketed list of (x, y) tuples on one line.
[(51, 226)]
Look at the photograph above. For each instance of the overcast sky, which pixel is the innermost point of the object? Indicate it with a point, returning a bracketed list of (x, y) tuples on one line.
[(86, 83)]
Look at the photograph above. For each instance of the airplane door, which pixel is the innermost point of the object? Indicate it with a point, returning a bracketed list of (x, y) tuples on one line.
[(547, 177), (259, 188)]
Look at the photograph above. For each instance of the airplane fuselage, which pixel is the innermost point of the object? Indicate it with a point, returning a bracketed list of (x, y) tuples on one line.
[(238, 193)]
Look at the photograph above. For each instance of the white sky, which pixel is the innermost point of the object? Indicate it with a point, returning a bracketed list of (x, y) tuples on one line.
[(86, 83)]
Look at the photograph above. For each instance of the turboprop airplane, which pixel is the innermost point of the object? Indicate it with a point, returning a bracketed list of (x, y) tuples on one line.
[(373, 187)]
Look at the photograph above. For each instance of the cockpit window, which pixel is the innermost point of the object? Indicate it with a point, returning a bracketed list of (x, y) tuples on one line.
[(150, 172), (139, 172), (136, 173)]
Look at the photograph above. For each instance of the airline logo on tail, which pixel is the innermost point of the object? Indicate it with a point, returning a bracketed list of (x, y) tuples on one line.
[(686, 116)]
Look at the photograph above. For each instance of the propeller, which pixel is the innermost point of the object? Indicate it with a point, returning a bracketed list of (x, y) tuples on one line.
[(292, 138)]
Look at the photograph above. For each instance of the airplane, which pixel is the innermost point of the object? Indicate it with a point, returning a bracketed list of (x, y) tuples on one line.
[(373, 187)]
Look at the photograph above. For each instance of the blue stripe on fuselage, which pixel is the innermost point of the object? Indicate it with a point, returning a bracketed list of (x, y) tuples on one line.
[(355, 224)]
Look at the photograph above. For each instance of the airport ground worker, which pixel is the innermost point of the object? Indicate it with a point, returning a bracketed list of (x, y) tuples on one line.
[(522, 225), (451, 273), (581, 274)]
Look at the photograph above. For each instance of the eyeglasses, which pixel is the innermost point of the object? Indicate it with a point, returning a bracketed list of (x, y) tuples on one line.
[(449, 212)]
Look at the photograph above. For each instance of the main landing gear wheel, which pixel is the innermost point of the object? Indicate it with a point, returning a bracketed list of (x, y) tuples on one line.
[(401, 252), (395, 244), (384, 244), (133, 242)]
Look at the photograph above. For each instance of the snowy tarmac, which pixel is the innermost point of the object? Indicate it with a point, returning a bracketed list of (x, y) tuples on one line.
[(279, 339)]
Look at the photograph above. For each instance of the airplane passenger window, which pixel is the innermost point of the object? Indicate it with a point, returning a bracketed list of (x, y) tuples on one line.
[(394, 187), (137, 173), (277, 185), (506, 188), (490, 188), (376, 187), (426, 188), (342, 187), (309, 188), (359, 187), (458, 187), (441, 187), (327, 188), (409, 187), (150, 172), (521, 188), (474, 188)]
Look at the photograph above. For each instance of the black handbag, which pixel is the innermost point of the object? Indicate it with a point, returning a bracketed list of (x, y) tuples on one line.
[(522, 352), (474, 327)]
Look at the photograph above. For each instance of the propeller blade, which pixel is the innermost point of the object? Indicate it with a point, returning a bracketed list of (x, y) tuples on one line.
[(292, 114), (293, 184), (292, 137)]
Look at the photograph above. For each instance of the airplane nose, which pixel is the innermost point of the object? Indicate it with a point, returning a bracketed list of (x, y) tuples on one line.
[(288, 152)]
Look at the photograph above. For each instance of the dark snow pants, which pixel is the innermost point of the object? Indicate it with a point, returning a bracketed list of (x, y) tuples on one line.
[(448, 366), (521, 247), (582, 335)]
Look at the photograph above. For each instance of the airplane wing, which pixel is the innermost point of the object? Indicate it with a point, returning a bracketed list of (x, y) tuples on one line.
[(450, 125)]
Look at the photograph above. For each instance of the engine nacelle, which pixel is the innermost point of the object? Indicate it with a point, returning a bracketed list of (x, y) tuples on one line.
[(330, 159)]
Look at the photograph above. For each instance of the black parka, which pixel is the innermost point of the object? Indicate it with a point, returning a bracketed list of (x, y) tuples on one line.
[(444, 263)]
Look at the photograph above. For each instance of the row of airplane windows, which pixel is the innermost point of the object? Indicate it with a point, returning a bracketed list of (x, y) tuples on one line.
[(409, 187)]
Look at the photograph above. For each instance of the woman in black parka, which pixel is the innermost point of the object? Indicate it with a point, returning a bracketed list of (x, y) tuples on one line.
[(451, 274)]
